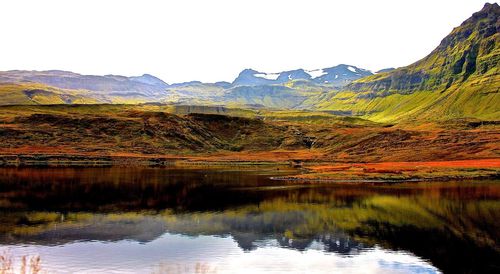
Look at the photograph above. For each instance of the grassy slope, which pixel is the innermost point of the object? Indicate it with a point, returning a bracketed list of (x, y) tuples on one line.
[(460, 78), (478, 98), (35, 93), (105, 129)]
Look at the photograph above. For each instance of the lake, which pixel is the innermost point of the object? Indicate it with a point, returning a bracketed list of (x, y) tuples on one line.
[(238, 220)]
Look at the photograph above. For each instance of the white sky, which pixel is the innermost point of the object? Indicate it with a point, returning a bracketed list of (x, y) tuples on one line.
[(214, 40)]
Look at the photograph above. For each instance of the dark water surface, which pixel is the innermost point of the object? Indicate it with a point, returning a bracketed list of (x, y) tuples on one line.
[(230, 220)]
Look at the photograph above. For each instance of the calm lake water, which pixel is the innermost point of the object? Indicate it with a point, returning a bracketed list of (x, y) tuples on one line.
[(230, 220)]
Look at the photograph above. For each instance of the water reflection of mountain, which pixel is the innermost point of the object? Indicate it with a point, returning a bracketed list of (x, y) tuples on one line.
[(144, 230), (336, 242), (149, 228), (454, 225)]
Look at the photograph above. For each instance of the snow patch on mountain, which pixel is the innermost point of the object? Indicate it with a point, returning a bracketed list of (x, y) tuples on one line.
[(268, 76), (316, 73)]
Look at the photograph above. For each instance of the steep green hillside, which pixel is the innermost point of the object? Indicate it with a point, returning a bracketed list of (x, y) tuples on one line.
[(460, 78)]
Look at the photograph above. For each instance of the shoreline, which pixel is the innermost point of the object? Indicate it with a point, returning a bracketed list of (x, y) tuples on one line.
[(395, 181), (110, 161), (312, 170)]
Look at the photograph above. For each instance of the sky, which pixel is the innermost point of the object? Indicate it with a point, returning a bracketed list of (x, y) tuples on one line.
[(213, 40)]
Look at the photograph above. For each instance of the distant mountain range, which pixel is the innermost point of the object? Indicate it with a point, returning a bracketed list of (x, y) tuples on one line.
[(146, 83), (337, 76), (249, 88), (460, 78)]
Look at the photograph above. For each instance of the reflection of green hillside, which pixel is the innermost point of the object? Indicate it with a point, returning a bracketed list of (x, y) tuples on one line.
[(454, 226), (298, 220)]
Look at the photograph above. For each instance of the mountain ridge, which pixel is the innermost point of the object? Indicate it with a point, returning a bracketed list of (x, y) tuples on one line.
[(454, 59), (336, 76), (460, 78), (71, 80), (287, 89)]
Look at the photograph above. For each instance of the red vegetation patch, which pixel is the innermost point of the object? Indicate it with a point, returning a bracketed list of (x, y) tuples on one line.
[(409, 166)]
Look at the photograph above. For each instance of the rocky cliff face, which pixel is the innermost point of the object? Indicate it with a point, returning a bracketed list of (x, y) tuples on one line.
[(472, 49)]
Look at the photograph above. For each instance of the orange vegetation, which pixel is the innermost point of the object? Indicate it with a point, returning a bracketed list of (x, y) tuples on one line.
[(105, 135), (398, 166), (459, 169)]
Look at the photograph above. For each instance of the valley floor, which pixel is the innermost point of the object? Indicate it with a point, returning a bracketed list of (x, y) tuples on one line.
[(325, 146)]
